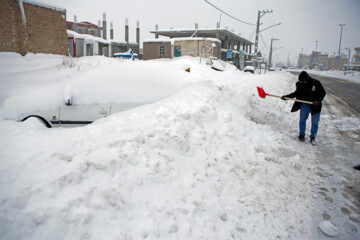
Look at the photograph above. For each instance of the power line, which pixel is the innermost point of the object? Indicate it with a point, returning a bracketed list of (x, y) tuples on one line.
[(229, 14), (264, 41), (252, 34)]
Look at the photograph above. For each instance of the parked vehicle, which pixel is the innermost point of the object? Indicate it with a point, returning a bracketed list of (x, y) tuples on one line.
[(70, 114), (215, 64), (250, 69), (96, 94)]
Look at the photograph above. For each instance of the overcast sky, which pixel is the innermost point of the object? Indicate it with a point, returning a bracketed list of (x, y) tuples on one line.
[(302, 21)]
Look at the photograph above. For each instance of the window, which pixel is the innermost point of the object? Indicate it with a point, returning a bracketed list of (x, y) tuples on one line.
[(162, 51)]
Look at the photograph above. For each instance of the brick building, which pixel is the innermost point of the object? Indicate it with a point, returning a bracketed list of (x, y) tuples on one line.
[(197, 47), (29, 27), (84, 28), (158, 48), (322, 61), (176, 47), (356, 56), (232, 46)]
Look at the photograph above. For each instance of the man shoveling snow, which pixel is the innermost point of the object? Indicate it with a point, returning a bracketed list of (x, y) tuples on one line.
[(308, 89)]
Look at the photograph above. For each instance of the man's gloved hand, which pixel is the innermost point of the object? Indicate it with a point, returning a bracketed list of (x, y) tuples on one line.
[(316, 103), (283, 98)]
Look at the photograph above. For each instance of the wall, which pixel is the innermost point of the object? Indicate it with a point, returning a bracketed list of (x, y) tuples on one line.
[(197, 48), (152, 50), (44, 32), (331, 63)]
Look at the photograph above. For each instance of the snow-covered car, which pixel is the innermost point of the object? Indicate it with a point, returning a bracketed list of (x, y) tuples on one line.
[(215, 64), (96, 94), (249, 69), (272, 69)]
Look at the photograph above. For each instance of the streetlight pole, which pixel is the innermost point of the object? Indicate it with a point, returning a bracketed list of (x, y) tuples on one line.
[(339, 57), (270, 55)]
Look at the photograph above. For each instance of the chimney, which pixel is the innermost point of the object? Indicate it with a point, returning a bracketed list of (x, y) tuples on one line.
[(111, 31), (126, 30), (99, 29), (138, 32), (75, 24), (217, 25), (196, 26), (156, 29), (104, 26)]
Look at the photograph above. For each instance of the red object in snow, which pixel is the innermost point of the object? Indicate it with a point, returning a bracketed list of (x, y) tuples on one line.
[(261, 92)]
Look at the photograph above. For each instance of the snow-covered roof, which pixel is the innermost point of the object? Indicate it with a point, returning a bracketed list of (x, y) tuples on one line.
[(172, 40), (87, 37), (197, 39), (181, 32), (44, 5), (158, 40)]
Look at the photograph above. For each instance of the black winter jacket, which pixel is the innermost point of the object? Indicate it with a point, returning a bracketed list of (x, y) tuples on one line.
[(312, 91)]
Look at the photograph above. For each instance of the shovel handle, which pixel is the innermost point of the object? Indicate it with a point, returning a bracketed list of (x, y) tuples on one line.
[(292, 99)]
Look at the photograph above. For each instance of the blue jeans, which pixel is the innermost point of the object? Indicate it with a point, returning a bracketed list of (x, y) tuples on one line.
[(304, 114)]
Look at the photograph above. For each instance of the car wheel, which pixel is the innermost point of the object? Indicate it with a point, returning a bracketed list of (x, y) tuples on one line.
[(38, 119)]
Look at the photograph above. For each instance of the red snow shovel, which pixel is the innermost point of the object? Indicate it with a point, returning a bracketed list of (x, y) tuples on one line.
[(263, 94)]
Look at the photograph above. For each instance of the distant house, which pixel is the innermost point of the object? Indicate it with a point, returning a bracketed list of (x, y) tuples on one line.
[(176, 47), (229, 45), (26, 26), (322, 61), (84, 28), (356, 59), (87, 45), (157, 48)]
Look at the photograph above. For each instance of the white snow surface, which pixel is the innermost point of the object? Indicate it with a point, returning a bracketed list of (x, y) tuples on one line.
[(200, 162)]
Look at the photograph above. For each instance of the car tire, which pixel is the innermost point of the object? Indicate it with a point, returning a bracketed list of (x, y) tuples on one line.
[(41, 119)]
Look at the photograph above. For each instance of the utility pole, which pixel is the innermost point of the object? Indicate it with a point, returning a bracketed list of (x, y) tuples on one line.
[(339, 57), (316, 53), (316, 45), (260, 14), (270, 55), (349, 50)]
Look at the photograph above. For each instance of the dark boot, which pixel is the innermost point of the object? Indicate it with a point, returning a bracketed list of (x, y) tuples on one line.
[(301, 138), (313, 141)]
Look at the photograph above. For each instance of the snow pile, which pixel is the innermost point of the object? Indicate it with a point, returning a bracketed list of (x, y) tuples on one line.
[(130, 81), (205, 162), (346, 75)]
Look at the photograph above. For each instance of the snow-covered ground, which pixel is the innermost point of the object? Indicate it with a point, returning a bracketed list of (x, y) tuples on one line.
[(211, 160)]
